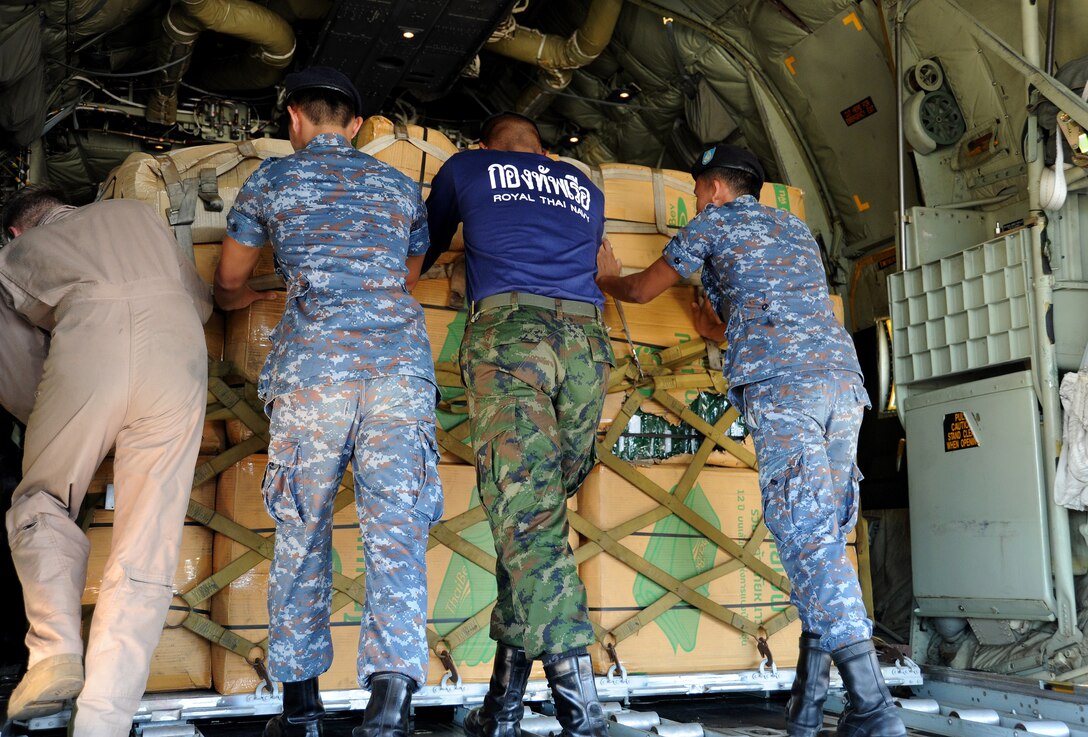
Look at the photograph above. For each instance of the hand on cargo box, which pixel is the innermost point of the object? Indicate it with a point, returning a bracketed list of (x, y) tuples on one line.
[(607, 262), (236, 264), (707, 322)]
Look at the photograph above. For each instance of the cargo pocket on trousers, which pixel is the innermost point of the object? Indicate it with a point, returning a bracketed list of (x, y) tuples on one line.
[(430, 503), (139, 575), (784, 497), (280, 480), (517, 458), (600, 347), (852, 500)]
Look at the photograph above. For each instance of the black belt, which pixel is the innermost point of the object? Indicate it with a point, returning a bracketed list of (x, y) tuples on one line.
[(559, 306)]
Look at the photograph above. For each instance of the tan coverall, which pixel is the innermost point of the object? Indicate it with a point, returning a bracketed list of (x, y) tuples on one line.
[(21, 362), (127, 366)]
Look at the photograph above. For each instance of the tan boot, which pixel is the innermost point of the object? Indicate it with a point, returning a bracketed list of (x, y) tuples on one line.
[(46, 686)]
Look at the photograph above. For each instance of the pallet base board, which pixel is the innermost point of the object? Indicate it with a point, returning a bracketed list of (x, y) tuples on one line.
[(191, 706)]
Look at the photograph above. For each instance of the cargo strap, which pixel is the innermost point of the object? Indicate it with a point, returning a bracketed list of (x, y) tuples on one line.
[(623, 321), (182, 210), (400, 133), (184, 192), (601, 541), (680, 367), (661, 216)]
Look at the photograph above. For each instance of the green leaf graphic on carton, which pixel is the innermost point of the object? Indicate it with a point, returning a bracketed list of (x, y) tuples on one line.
[(682, 552), (466, 589)]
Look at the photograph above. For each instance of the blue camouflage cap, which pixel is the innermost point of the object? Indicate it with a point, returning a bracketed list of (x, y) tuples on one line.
[(728, 156), (324, 78)]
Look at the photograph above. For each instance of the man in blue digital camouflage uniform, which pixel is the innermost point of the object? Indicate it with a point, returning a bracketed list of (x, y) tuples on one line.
[(535, 360), (794, 374), (349, 377)]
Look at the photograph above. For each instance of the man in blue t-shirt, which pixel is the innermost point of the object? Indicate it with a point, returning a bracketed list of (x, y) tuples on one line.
[(535, 360)]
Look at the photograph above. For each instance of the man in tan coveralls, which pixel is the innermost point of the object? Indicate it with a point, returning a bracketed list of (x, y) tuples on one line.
[(127, 366)]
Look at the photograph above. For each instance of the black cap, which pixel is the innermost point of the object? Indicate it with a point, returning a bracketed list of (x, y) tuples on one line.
[(727, 156), (325, 78)]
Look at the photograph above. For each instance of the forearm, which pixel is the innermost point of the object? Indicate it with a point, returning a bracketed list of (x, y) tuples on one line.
[(625, 288), (234, 298), (639, 287)]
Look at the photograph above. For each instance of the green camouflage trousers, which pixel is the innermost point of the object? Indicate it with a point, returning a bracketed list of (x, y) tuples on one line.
[(535, 383)]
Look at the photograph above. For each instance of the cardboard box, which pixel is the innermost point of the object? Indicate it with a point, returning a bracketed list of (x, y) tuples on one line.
[(635, 251), (377, 137), (182, 659), (213, 438), (684, 638), (457, 588), (629, 195), (247, 342), (662, 322)]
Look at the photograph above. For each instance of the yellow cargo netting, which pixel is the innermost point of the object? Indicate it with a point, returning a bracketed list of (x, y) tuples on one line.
[(679, 367)]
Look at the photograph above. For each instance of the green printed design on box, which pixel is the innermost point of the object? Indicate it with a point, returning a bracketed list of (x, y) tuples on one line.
[(466, 589), (678, 214), (682, 552), (782, 197)]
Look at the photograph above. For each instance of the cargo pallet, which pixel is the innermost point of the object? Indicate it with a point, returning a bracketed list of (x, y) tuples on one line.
[(174, 714)]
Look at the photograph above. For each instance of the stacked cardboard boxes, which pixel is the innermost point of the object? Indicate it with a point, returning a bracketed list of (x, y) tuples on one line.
[(642, 205), (684, 638), (458, 588)]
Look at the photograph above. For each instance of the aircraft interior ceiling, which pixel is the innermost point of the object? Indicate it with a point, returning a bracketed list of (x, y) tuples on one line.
[(809, 86)]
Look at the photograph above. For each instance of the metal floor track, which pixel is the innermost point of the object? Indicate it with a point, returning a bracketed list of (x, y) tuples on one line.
[(964, 704), (174, 715)]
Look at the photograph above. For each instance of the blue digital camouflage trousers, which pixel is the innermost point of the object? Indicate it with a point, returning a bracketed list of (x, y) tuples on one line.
[(805, 428), (535, 383), (385, 427)]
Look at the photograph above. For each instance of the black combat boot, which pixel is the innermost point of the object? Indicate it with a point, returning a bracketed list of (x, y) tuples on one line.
[(500, 714), (302, 711), (576, 706), (388, 711), (805, 709), (870, 711)]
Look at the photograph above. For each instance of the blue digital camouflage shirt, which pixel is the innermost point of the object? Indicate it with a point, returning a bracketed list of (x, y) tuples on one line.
[(342, 224), (762, 267)]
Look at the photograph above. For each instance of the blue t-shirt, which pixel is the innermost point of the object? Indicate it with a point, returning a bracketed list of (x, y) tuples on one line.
[(531, 224), (342, 225)]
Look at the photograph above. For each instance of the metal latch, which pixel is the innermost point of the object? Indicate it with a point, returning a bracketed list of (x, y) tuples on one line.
[(765, 649), (446, 658)]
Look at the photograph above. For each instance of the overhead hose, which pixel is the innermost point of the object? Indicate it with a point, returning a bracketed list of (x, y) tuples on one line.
[(558, 56), (273, 47)]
